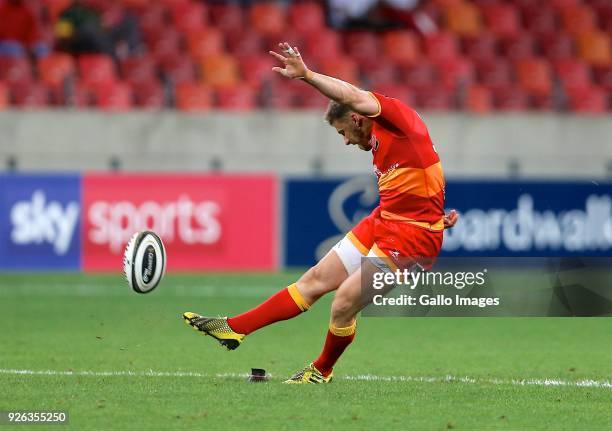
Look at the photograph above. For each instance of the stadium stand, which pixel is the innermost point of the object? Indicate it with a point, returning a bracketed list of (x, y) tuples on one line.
[(194, 55)]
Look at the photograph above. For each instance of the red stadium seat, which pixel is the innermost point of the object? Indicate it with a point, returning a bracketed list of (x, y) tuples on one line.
[(267, 19), (478, 99), (573, 73), (534, 75), (434, 98), (591, 100), (55, 8), (306, 17), (397, 91), (595, 48), (15, 69), (362, 46), (540, 19), (244, 43), (149, 95), (578, 19), (96, 69), (446, 3), (542, 102), (4, 96), (341, 67), (55, 68), (78, 96), (564, 3), (257, 69), (422, 74), (29, 95), (401, 46), (441, 46), (152, 19), (379, 73), (510, 98), (162, 43), (113, 96), (238, 98), (177, 68), (455, 72), (494, 73), (482, 47), (204, 43), (189, 16), (309, 98), (603, 78), (229, 18), (557, 46), (281, 95), (138, 69), (290, 35), (502, 19), (171, 3), (193, 97), (219, 70), (322, 45), (519, 47), (603, 11), (463, 18), (135, 5)]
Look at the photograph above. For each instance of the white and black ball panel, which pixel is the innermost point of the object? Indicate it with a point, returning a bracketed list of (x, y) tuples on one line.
[(144, 262)]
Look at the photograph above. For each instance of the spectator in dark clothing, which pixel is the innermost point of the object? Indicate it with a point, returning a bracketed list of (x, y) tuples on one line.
[(91, 26), (79, 30)]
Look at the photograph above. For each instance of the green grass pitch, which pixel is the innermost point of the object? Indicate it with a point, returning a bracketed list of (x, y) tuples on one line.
[(91, 325)]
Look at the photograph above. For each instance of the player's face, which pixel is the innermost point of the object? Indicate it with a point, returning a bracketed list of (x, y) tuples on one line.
[(356, 130)]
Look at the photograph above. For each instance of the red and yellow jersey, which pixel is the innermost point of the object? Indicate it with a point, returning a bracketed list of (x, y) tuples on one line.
[(410, 178)]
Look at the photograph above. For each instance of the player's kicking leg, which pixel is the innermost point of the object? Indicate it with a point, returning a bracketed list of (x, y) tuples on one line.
[(293, 300), (326, 276)]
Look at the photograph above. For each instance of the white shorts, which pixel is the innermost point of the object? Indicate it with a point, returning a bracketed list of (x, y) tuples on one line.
[(350, 256)]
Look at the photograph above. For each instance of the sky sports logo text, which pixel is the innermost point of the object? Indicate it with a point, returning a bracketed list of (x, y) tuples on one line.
[(43, 221), (182, 220), (38, 221)]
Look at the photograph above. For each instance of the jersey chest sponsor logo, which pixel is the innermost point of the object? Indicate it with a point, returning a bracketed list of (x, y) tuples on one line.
[(390, 169), (374, 142)]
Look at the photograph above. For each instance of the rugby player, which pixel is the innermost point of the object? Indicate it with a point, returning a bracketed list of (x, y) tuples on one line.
[(408, 223)]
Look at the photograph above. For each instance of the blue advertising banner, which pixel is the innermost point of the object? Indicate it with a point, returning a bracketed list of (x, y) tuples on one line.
[(40, 221), (318, 212), (498, 218), (530, 218)]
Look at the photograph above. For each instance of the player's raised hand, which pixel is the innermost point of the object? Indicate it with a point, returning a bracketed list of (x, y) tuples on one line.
[(450, 219), (292, 60)]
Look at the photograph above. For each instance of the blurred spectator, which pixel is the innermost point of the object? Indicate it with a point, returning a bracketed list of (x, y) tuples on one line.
[(379, 14), (79, 30), (120, 25), (89, 26), (17, 24), (344, 13)]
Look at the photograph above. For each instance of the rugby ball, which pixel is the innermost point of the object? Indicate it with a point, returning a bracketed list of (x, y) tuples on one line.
[(144, 261)]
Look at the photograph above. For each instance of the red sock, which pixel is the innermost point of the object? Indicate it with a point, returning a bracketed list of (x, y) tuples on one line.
[(336, 342), (282, 305)]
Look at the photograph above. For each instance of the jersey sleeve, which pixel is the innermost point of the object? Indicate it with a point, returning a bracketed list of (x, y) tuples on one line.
[(398, 115)]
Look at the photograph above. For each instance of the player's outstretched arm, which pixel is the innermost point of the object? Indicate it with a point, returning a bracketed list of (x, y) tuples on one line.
[(343, 92)]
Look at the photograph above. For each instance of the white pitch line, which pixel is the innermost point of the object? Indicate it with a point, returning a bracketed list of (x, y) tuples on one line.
[(362, 377)]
